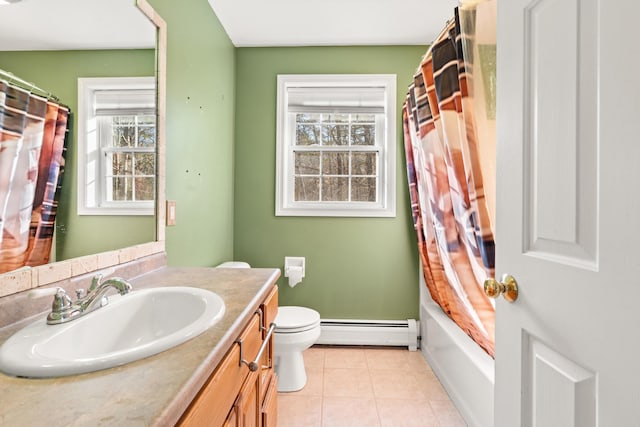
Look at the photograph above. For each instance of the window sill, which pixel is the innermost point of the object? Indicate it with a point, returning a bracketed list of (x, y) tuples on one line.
[(323, 211), (117, 211)]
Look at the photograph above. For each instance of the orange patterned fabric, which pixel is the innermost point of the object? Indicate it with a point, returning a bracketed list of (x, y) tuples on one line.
[(451, 216), (33, 135), (48, 190)]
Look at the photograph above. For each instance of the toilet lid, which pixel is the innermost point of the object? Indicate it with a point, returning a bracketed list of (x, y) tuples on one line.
[(292, 317)]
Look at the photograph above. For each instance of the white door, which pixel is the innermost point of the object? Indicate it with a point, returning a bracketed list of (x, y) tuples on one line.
[(568, 213)]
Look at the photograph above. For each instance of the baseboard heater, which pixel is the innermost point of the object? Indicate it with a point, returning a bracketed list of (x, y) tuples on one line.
[(403, 333)]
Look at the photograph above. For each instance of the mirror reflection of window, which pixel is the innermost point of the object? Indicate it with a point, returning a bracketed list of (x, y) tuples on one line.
[(117, 122)]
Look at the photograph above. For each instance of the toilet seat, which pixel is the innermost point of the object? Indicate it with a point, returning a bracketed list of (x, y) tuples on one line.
[(294, 319)]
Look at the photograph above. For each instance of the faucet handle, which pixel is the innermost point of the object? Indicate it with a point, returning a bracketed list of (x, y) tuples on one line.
[(61, 301), (39, 293)]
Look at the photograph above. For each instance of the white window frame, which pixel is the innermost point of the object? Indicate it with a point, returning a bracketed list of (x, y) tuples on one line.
[(91, 165), (385, 206)]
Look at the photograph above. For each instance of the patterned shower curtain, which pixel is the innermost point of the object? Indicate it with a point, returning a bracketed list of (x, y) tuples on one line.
[(449, 129), (33, 137)]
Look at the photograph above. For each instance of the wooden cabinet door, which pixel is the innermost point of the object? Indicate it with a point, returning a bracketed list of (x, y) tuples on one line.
[(234, 396), (232, 419), (249, 402), (211, 406), (269, 310), (270, 403)]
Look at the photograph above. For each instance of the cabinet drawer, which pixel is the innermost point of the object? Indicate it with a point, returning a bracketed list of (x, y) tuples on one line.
[(270, 307), (213, 403)]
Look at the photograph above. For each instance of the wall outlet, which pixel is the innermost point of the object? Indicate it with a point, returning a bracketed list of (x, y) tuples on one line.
[(171, 213)]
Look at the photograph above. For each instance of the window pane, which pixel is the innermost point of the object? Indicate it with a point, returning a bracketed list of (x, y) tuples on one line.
[(145, 163), (338, 118), (121, 188), (363, 189), (363, 163), (124, 135), (145, 188), (307, 134), (126, 121), (335, 134), (307, 118), (146, 120), (335, 163), (364, 118), (121, 163), (146, 136), (307, 163), (307, 189), (335, 189), (363, 134)]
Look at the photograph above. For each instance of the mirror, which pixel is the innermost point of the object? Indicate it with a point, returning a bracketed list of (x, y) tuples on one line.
[(82, 28), (100, 39)]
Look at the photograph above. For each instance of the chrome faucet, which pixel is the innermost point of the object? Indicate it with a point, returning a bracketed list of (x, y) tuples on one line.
[(95, 297), (64, 309)]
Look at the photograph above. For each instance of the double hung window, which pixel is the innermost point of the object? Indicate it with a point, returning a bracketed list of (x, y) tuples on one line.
[(117, 150), (336, 145)]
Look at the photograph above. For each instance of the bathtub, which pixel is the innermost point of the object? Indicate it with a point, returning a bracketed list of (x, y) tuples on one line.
[(464, 369)]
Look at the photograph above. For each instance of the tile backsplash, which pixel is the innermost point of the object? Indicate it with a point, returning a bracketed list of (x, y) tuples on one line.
[(32, 277), (70, 275)]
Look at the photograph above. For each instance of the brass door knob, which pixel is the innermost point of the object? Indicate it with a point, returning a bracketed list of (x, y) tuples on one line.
[(508, 287)]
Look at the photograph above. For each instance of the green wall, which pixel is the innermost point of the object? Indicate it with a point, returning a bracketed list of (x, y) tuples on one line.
[(200, 111), (356, 267), (82, 235), (363, 268)]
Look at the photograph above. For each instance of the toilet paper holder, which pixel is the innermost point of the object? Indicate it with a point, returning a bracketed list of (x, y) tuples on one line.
[(297, 262)]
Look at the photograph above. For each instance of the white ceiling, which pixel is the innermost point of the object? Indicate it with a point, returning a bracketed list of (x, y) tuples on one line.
[(332, 22), (118, 24), (74, 24)]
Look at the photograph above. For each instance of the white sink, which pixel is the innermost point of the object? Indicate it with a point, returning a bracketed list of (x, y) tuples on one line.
[(130, 327)]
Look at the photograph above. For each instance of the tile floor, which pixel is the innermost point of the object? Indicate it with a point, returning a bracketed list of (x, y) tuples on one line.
[(367, 387)]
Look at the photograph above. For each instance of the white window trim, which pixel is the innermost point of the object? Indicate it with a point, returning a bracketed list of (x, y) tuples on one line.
[(86, 135), (285, 205)]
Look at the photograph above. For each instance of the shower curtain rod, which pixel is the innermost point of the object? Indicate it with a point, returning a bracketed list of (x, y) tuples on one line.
[(31, 87)]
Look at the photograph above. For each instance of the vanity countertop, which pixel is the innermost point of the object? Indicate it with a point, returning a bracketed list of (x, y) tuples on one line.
[(150, 392)]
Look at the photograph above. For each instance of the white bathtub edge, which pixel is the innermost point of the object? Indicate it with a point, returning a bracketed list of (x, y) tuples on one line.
[(464, 369)]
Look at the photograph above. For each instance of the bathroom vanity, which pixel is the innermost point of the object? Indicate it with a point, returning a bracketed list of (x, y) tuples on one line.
[(200, 382), (243, 389)]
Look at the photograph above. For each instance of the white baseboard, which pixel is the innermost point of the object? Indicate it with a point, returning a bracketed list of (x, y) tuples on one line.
[(402, 333)]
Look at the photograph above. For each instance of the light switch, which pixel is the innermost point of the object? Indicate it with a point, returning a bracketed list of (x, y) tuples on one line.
[(171, 212)]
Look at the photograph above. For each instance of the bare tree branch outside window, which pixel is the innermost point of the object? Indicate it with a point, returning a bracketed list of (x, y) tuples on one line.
[(335, 161)]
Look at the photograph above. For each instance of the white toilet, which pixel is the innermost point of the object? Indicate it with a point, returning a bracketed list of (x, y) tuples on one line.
[(297, 329)]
